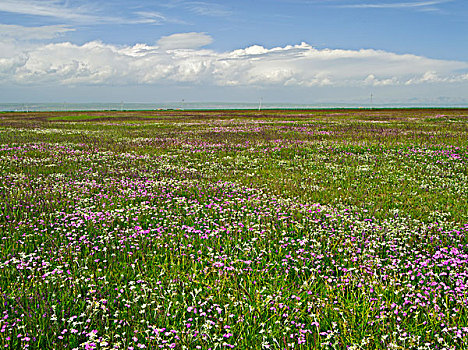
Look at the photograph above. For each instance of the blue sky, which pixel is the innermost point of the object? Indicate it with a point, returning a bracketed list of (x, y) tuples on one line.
[(283, 50)]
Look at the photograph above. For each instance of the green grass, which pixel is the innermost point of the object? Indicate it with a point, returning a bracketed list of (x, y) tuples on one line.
[(322, 229)]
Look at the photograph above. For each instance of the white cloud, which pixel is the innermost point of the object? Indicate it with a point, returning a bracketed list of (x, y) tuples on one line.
[(17, 32), (434, 77), (185, 41), (51, 8), (179, 60), (86, 13), (207, 9), (202, 8), (150, 17), (396, 5), (373, 81)]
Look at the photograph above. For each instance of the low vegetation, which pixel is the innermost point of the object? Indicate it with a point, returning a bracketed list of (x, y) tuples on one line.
[(314, 229)]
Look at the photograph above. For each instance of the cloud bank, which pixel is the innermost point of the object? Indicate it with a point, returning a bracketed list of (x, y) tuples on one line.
[(179, 59)]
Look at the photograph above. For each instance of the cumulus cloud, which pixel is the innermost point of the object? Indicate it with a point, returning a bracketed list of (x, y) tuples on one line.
[(178, 59), (185, 41)]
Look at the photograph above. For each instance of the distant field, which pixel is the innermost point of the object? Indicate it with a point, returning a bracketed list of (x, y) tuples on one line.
[(79, 117), (297, 229)]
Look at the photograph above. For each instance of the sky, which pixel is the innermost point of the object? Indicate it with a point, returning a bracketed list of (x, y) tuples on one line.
[(295, 51)]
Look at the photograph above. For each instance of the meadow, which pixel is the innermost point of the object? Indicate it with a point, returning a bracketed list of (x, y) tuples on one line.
[(312, 229)]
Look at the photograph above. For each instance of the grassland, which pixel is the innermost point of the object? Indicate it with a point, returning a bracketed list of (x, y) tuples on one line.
[(304, 229)]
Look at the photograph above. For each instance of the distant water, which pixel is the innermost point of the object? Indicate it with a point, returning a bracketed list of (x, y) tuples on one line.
[(36, 107)]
